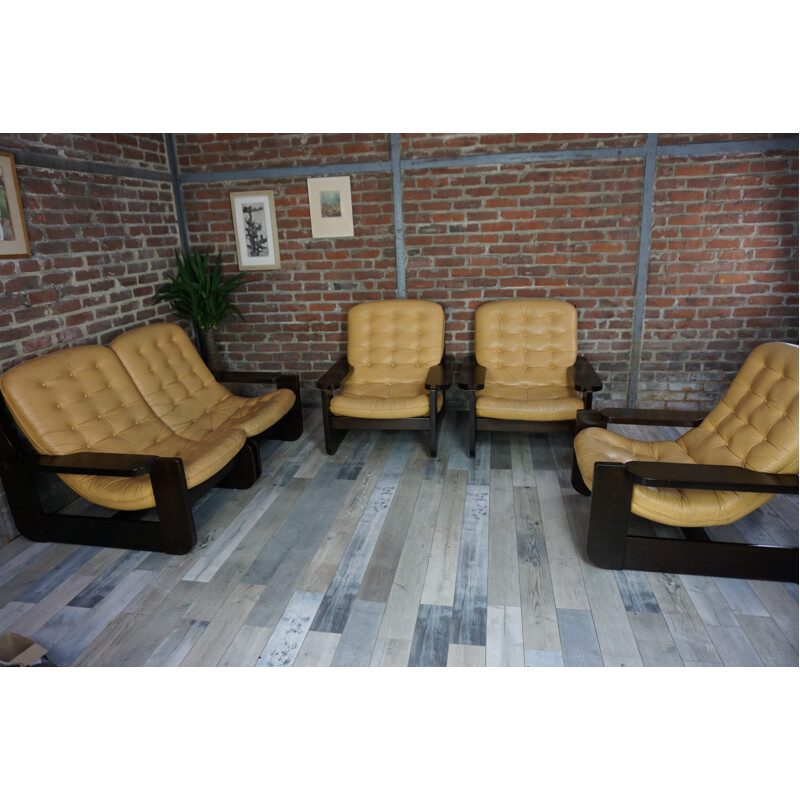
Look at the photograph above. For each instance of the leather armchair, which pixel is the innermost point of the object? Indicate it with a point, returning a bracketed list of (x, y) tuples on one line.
[(725, 466), (526, 373), (395, 374)]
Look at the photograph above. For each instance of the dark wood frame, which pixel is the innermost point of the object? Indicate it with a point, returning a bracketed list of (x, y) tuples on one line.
[(472, 378), (610, 546), (20, 247), (438, 379)]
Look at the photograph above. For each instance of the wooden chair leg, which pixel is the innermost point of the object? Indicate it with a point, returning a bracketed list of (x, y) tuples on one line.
[(23, 498), (290, 427), (472, 424), (333, 437), (434, 423), (246, 469), (609, 515), (578, 483), (173, 506), (584, 419)]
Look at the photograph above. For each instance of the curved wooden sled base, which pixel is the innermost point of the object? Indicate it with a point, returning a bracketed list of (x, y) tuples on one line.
[(173, 532), (610, 546)]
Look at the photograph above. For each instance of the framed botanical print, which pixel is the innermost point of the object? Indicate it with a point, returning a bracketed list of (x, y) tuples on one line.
[(331, 207), (256, 230), (13, 233)]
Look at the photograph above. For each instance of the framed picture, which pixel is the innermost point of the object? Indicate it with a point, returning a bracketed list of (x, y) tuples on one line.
[(13, 233), (256, 230), (331, 207)]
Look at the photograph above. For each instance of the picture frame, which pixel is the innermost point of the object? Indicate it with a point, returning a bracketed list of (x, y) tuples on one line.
[(331, 207), (13, 232), (256, 229)]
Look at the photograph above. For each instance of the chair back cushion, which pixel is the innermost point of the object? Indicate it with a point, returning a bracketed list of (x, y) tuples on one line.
[(755, 425), (77, 399), (526, 342), (168, 371), (394, 341)]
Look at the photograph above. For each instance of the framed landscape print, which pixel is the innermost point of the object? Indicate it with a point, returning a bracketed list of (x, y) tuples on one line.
[(331, 207), (13, 233), (256, 230)]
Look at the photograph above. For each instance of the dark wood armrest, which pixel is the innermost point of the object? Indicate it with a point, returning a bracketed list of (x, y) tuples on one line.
[(282, 380), (121, 465), (441, 376), (471, 375), (709, 476), (653, 416), (583, 376), (224, 376), (333, 378)]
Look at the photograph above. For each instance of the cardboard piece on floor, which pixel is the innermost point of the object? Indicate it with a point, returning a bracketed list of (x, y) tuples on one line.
[(19, 651)]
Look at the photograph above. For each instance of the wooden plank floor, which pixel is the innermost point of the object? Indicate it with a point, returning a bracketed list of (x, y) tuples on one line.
[(382, 556)]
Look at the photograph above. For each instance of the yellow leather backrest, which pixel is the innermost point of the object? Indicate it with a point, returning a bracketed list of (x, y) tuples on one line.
[(530, 341), (168, 371), (755, 425), (79, 399), (394, 341)]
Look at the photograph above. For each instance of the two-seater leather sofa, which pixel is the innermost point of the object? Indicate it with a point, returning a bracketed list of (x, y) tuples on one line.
[(142, 424)]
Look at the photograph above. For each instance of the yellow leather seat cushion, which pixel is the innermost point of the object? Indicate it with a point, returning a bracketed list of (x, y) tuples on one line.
[(383, 400), (391, 346), (755, 426), (82, 400), (182, 391), (503, 399), (526, 347)]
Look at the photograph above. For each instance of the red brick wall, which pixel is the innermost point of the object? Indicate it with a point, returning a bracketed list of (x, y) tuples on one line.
[(567, 228), (567, 231), (99, 245), (723, 265), (722, 275), (225, 151), (295, 317), (449, 145)]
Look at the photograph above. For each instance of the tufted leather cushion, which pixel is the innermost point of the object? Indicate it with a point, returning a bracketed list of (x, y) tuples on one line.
[(755, 426), (82, 400), (526, 347), (391, 345), (181, 390)]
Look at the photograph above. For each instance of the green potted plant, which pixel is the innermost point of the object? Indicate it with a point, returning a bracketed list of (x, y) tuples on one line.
[(199, 292)]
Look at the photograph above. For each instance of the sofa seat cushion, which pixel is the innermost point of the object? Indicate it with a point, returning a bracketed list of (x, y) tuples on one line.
[(681, 507), (384, 400), (252, 415), (82, 400), (201, 461), (183, 392), (508, 397)]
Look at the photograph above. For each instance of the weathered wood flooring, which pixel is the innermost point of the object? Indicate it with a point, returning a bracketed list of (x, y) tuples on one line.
[(382, 556)]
